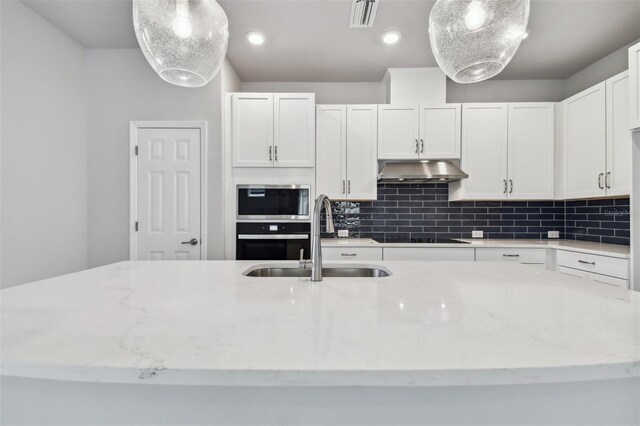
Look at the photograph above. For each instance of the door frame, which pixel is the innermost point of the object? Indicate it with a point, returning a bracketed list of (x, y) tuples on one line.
[(134, 126)]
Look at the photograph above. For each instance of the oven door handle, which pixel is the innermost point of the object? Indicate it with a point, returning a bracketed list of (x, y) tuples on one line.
[(273, 236)]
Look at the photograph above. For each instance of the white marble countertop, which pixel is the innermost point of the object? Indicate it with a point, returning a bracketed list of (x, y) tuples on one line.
[(429, 324), (613, 250)]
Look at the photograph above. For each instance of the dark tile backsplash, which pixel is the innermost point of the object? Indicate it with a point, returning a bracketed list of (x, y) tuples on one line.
[(423, 211)]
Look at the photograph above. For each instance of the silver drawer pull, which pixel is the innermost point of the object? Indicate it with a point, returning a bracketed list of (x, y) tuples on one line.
[(587, 263), (348, 254), (511, 255)]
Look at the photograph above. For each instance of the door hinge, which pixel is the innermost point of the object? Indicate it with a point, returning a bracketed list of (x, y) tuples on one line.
[(136, 150), (136, 226)]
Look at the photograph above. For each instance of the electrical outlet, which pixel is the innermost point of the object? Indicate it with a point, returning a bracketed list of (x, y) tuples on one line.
[(553, 234), (477, 234), (343, 233)]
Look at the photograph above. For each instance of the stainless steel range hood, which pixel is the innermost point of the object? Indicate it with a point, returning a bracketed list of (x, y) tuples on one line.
[(420, 172)]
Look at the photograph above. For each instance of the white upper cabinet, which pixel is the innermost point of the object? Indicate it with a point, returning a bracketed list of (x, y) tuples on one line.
[(619, 141), (346, 164), (531, 151), (362, 143), (584, 121), (398, 133), (331, 151), (412, 132), (634, 86), (484, 153), (508, 151), (294, 130), (252, 129), (273, 130), (440, 130), (597, 141)]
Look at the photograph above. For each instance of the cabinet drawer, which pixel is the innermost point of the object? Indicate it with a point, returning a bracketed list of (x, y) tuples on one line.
[(573, 272), (352, 253), (618, 282), (536, 256), (604, 265), (435, 253)]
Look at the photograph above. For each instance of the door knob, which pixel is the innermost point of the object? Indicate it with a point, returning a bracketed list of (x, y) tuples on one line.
[(192, 242)]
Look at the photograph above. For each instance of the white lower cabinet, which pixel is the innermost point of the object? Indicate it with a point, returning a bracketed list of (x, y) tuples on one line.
[(602, 269), (352, 253), (428, 253), (528, 256)]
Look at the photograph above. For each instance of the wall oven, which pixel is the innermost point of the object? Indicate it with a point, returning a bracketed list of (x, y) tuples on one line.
[(273, 202), (272, 241)]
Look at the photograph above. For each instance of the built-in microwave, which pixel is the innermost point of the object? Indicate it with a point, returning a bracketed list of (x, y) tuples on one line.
[(273, 202)]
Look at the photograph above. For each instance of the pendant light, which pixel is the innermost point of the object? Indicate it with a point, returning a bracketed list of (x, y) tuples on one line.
[(184, 41), (473, 40)]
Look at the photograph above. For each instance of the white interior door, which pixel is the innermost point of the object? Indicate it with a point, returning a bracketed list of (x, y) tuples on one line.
[(168, 194)]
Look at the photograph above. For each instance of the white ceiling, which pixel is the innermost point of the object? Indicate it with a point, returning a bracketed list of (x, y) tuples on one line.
[(310, 40)]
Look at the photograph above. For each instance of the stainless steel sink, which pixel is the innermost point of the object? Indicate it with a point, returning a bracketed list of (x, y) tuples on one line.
[(327, 272)]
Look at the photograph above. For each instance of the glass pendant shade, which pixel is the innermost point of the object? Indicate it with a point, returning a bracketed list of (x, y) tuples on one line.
[(473, 40), (184, 41)]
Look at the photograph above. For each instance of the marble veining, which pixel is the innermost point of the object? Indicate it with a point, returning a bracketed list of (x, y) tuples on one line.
[(429, 324)]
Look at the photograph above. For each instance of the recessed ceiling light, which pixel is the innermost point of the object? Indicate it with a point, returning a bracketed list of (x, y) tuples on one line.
[(391, 37), (525, 35), (255, 38)]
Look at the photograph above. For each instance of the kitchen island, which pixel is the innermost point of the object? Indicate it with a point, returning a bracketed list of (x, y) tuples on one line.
[(199, 342)]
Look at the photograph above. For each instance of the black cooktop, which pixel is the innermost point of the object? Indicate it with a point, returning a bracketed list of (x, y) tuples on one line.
[(425, 240)]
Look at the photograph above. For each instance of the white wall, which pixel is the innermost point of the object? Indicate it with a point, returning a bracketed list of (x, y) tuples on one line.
[(375, 93), (506, 91), (599, 71), (123, 87), (44, 149)]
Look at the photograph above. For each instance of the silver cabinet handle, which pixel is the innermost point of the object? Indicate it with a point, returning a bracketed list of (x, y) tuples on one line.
[(192, 242), (510, 186), (607, 183), (344, 186), (275, 152), (417, 146), (349, 186), (421, 146), (270, 153), (504, 191), (587, 263), (348, 254), (600, 181), (510, 255)]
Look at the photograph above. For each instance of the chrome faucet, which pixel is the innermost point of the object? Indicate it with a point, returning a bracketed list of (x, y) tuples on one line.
[(316, 246)]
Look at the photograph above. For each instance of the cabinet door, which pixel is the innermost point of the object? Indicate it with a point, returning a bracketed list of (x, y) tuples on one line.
[(531, 151), (425, 253), (440, 129), (362, 143), (398, 132), (585, 143), (331, 151), (634, 86), (484, 151), (294, 130), (252, 129), (619, 141)]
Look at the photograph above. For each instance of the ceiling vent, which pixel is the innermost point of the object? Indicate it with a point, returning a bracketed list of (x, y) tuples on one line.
[(363, 13)]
